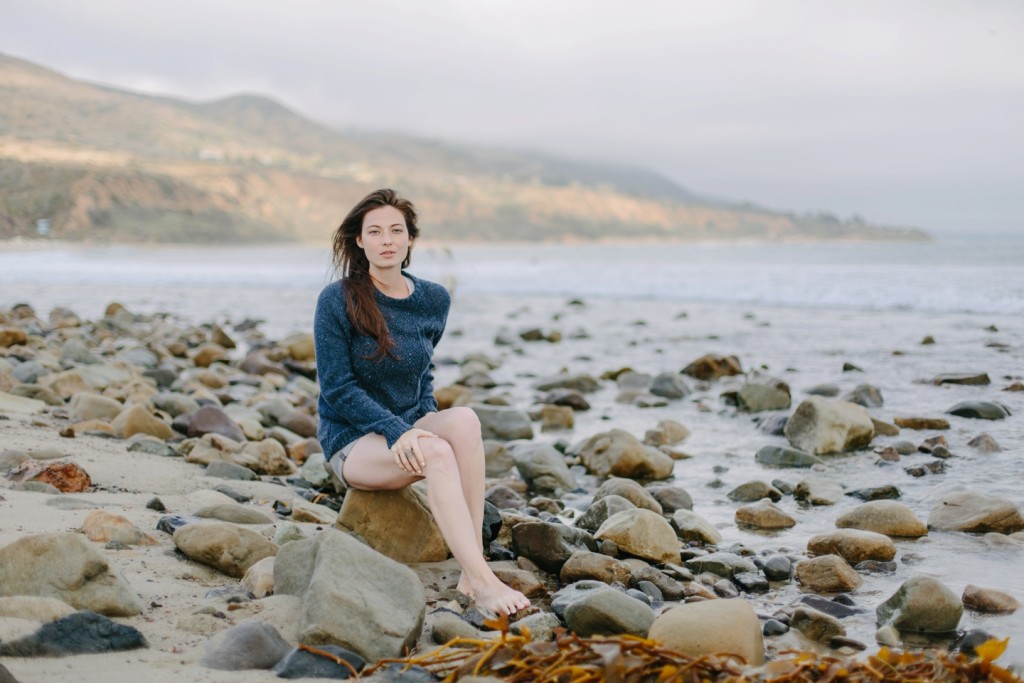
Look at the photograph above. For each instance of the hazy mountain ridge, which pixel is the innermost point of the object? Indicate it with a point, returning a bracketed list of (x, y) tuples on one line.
[(103, 163)]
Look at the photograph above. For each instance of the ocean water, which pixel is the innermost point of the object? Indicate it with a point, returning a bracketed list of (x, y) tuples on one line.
[(796, 312)]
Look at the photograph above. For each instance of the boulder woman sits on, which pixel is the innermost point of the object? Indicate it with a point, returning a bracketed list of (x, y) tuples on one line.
[(375, 330)]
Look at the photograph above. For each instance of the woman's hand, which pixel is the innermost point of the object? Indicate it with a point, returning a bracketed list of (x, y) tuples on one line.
[(407, 450)]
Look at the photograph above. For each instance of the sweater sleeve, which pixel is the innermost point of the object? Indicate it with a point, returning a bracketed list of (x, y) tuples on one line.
[(428, 404), (338, 383)]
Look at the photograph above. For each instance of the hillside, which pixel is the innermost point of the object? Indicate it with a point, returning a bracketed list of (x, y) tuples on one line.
[(109, 165)]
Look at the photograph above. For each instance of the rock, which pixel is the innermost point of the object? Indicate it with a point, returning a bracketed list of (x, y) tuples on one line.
[(352, 596), (979, 410), (503, 423), (985, 444), (9, 403), (671, 498), (174, 404), (553, 418), (764, 515), (34, 608), (137, 420), (711, 628), (567, 397), (213, 420), (923, 605), (12, 336), (584, 564), (853, 545), (582, 383), (689, 526), (35, 392), (504, 498), (543, 468), (975, 512), (754, 490), (641, 533), (498, 459), (989, 600), (608, 612), (921, 423), (709, 367), (103, 527), (86, 405), (818, 491), (66, 477), (763, 393), (549, 545), (313, 513), (865, 395), (723, 564), (395, 523), (618, 453), (669, 588), (300, 422), (777, 456), (823, 425), (249, 645), (888, 636), (974, 380), (229, 470), (208, 354), (303, 664), (631, 491), (827, 574), (64, 566), (817, 626), (885, 492), (234, 513), (666, 433), (228, 548), (773, 425), (314, 470), (669, 385), (883, 428), (601, 510), (541, 626), (885, 517), (146, 444), (259, 578), (777, 568), (300, 346), (84, 632), (265, 457)]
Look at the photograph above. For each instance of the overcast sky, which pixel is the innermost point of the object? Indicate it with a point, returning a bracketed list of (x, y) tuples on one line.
[(904, 112)]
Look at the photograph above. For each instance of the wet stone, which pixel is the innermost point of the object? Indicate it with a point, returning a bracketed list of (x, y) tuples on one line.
[(777, 568), (751, 582), (232, 494), (774, 627), (887, 492), (152, 447), (780, 456), (229, 470), (83, 632), (985, 444), (249, 645), (171, 523), (831, 607), (979, 410), (304, 664)]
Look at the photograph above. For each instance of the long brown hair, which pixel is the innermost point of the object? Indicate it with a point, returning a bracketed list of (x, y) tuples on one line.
[(351, 263)]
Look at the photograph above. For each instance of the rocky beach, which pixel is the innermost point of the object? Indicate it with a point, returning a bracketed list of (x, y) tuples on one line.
[(718, 478)]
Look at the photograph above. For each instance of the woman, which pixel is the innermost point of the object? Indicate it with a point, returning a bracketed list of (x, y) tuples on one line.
[(375, 333)]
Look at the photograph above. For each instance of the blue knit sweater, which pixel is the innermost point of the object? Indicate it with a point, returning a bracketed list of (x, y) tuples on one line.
[(359, 396)]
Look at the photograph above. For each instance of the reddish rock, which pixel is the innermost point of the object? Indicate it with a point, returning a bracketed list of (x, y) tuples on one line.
[(67, 477), (712, 367)]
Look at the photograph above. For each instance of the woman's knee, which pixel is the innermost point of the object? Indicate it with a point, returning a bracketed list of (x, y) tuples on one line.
[(438, 455), (464, 421)]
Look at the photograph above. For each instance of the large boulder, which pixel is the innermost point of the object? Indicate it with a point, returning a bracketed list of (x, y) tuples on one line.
[(66, 567), (975, 512), (543, 468), (712, 627), (884, 517), (823, 425), (549, 545), (922, 604), (853, 545), (608, 612), (352, 596), (619, 453), (397, 524), (223, 546), (641, 533), (600, 510)]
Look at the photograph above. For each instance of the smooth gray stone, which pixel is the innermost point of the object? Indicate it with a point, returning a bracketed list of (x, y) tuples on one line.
[(303, 664), (249, 645), (780, 456), (979, 410), (229, 470)]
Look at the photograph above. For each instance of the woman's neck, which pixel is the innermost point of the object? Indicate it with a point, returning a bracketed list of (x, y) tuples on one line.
[(390, 281)]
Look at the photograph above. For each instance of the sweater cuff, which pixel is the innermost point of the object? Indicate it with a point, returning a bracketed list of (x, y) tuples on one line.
[(392, 430)]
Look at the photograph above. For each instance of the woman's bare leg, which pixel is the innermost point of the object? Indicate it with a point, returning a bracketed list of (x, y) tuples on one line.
[(371, 466)]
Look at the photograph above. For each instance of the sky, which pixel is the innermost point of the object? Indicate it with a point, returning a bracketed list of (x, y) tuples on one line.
[(905, 112)]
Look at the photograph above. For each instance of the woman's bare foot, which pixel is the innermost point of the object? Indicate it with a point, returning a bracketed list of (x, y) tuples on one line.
[(493, 595)]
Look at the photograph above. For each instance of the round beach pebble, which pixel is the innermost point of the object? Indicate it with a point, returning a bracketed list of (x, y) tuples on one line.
[(884, 517), (853, 545), (827, 574)]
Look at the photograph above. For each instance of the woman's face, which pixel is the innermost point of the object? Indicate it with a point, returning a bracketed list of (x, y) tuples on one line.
[(385, 238)]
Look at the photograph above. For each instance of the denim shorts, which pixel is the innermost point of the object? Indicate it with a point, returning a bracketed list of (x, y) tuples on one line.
[(337, 461)]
